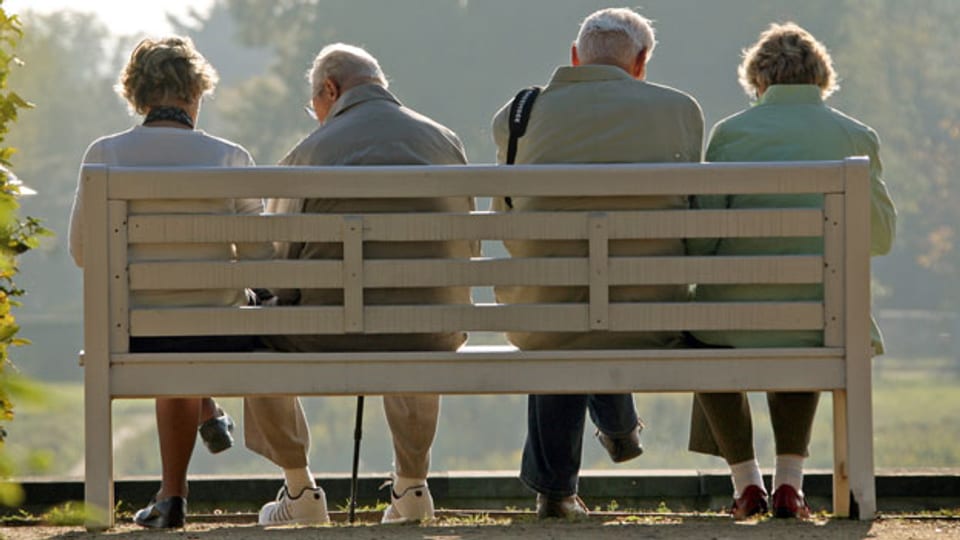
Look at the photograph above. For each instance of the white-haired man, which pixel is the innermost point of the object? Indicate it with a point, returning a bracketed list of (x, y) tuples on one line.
[(599, 110), (361, 123)]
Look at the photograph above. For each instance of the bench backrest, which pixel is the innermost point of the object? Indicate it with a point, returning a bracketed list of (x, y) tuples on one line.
[(842, 269)]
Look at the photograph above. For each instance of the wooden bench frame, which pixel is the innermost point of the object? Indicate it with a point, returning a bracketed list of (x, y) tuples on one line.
[(842, 366)]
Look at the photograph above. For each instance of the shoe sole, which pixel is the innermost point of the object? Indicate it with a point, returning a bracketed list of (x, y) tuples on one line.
[(620, 458), (403, 521), (216, 434), (174, 520), (294, 522)]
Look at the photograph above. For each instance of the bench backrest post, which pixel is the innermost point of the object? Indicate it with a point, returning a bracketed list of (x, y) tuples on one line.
[(97, 340), (352, 232), (119, 305), (599, 247), (857, 341)]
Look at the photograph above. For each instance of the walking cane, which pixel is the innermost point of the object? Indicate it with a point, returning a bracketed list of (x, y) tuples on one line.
[(357, 432)]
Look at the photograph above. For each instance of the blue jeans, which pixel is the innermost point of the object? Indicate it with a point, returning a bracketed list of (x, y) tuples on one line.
[(555, 423)]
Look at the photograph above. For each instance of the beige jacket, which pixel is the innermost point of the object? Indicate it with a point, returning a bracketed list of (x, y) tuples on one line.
[(599, 114), (369, 126)]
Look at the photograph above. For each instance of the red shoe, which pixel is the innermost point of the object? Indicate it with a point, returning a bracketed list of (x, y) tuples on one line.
[(788, 503), (752, 501)]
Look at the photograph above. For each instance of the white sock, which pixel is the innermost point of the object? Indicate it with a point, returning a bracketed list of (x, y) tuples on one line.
[(789, 471), (298, 480), (745, 473), (401, 484)]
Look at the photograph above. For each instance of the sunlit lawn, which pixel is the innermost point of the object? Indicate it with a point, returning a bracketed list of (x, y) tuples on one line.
[(915, 425)]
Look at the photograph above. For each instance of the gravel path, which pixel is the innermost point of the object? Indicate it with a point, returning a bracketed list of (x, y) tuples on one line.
[(477, 526)]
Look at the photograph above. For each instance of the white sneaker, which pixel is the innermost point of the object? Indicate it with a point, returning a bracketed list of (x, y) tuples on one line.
[(309, 507), (412, 504)]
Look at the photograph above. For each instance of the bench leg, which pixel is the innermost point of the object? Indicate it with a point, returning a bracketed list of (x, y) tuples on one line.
[(841, 482), (98, 462), (859, 405)]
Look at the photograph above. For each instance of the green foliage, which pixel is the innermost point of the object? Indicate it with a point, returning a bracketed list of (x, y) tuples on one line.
[(70, 514), (16, 237)]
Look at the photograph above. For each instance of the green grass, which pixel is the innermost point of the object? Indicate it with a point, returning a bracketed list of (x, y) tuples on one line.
[(915, 404)]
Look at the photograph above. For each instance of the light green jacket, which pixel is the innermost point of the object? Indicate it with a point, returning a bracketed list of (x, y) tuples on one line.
[(600, 114), (789, 123)]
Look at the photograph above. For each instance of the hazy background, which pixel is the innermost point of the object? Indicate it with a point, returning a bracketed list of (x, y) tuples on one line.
[(458, 61)]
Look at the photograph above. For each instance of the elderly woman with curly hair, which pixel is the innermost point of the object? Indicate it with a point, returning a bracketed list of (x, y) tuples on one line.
[(165, 80), (789, 74)]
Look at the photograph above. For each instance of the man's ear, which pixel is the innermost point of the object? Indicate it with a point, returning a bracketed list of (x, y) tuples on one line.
[(331, 89), (639, 68), (574, 55)]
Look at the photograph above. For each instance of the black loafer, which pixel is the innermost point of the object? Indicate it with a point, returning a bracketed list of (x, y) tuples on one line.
[(169, 513), (623, 448), (217, 432)]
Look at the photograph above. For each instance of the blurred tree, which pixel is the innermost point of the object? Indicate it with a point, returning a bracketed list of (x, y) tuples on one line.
[(900, 74), (73, 66)]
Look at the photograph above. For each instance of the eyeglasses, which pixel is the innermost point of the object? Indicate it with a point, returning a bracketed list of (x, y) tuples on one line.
[(308, 108)]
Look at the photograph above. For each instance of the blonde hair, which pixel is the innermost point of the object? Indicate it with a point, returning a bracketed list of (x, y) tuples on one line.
[(787, 54), (617, 34), (162, 70), (347, 65)]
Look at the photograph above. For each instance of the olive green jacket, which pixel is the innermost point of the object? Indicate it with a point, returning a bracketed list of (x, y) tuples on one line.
[(600, 114)]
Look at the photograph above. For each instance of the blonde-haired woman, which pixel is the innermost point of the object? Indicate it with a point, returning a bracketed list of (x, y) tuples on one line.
[(165, 80), (789, 74)]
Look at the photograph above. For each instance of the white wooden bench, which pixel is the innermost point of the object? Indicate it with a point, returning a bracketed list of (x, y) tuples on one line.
[(841, 366)]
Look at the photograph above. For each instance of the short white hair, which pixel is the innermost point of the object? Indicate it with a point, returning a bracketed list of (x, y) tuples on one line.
[(345, 64), (615, 34)]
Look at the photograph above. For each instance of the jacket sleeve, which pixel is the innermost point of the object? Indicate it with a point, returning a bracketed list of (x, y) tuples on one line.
[(94, 154), (883, 213)]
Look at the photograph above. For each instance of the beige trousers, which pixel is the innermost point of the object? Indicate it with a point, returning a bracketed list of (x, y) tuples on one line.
[(277, 429)]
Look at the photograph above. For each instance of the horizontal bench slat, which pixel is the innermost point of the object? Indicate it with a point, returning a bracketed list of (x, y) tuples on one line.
[(650, 224), (235, 274), (709, 270), (479, 318), (717, 316), (613, 180), (401, 273), (145, 375), (174, 228), (478, 353)]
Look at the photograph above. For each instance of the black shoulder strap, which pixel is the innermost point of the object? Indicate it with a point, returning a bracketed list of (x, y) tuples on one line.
[(519, 117)]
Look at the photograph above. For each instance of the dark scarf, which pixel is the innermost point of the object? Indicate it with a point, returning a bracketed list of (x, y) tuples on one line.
[(172, 114)]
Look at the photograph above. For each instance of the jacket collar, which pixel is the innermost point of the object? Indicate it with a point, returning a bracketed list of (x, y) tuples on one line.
[(360, 94), (791, 94), (592, 72)]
